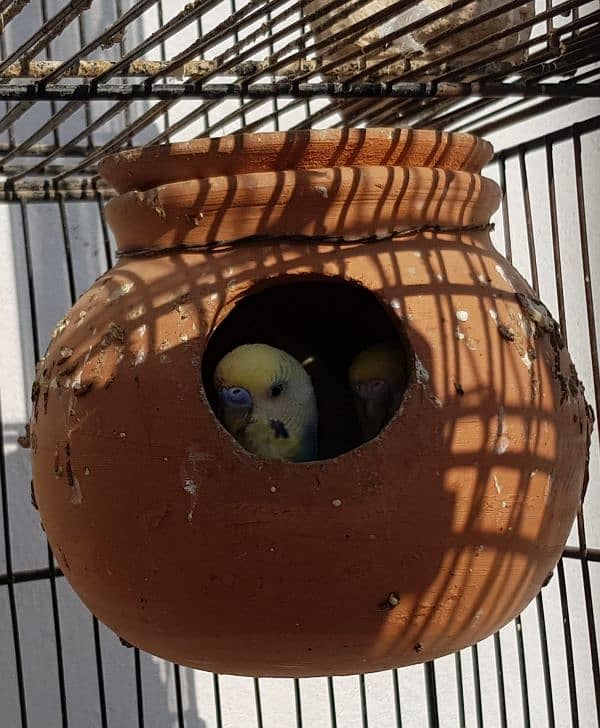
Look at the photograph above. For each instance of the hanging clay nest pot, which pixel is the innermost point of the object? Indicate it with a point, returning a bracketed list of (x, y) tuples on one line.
[(421, 540)]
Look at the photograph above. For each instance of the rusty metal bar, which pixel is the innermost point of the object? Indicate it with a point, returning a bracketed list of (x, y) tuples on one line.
[(292, 89), (115, 142), (46, 33), (190, 12), (60, 151), (17, 577), (42, 131), (6, 15), (106, 39), (445, 11)]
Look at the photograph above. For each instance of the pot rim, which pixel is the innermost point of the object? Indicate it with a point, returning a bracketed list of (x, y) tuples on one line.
[(334, 203), (142, 168)]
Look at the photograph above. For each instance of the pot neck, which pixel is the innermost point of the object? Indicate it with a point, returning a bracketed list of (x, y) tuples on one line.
[(334, 203)]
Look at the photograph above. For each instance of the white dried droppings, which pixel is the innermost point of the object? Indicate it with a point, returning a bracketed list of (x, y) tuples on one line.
[(60, 327), (502, 441), (526, 359), (462, 315), (421, 372), (439, 277), (190, 486), (483, 279), (136, 312), (76, 381), (500, 270), (471, 344), (393, 600), (122, 435), (395, 304), (321, 191), (478, 615), (417, 254), (273, 489), (183, 338), (140, 355), (528, 326), (336, 503), (458, 334), (497, 484), (493, 315), (195, 220), (86, 471), (548, 487), (121, 291)]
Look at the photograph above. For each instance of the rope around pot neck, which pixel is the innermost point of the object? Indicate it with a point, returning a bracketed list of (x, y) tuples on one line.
[(339, 240)]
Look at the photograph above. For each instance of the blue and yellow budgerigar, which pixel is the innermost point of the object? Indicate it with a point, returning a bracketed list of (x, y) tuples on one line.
[(377, 376), (267, 402)]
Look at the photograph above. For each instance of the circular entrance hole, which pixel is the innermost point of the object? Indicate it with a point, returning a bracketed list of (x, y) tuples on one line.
[(324, 323)]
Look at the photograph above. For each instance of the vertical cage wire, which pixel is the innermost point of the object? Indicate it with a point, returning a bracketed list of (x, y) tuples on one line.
[(541, 670), (511, 167)]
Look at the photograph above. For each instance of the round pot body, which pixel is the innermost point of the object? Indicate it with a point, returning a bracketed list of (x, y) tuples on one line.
[(410, 546)]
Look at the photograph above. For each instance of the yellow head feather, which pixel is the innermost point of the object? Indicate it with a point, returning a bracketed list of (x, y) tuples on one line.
[(253, 367), (380, 361)]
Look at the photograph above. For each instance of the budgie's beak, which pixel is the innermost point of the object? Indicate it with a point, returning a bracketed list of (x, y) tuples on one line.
[(373, 401), (236, 406)]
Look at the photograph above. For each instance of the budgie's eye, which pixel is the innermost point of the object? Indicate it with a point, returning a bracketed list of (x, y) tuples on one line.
[(276, 390), (378, 385), (236, 396)]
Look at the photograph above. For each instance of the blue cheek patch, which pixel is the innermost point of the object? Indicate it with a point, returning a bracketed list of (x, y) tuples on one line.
[(235, 397)]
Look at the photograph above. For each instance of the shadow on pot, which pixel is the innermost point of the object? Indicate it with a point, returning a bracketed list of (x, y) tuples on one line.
[(417, 543)]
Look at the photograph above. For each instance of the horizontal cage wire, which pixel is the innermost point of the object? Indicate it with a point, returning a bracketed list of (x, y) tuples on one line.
[(87, 78), (213, 67)]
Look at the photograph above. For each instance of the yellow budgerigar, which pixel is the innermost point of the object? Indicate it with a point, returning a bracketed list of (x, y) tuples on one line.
[(267, 402), (377, 376)]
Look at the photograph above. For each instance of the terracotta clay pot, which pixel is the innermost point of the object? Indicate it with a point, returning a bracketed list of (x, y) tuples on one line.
[(415, 544)]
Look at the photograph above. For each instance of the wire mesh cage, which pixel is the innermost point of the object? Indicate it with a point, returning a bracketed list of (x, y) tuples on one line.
[(81, 79)]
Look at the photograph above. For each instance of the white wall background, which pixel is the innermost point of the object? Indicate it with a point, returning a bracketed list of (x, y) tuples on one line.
[(284, 704)]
